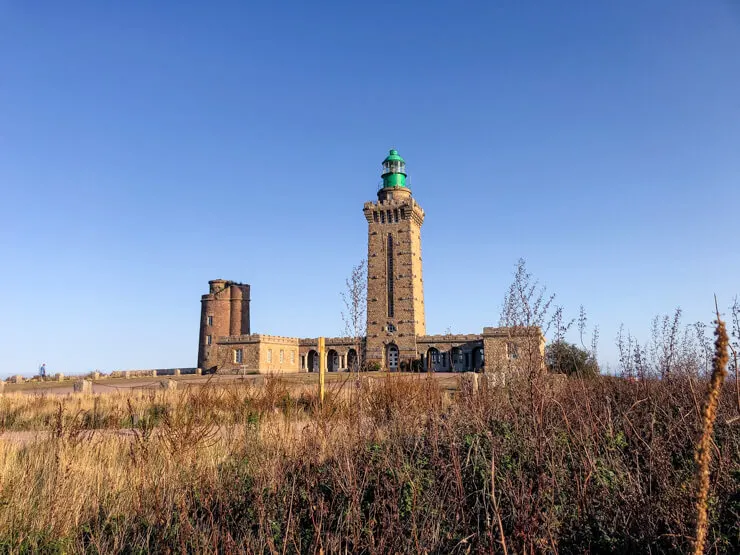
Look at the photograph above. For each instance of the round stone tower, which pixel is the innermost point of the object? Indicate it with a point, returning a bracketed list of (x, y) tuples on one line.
[(224, 312)]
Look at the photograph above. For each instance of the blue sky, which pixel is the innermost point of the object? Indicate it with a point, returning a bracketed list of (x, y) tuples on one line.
[(146, 148)]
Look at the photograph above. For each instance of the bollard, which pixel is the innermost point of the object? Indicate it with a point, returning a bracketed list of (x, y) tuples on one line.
[(469, 384), (169, 385), (83, 386), (154, 373), (367, 383), (59, 377), (198, 371), (492, 380), (96, 375), (177, 371)]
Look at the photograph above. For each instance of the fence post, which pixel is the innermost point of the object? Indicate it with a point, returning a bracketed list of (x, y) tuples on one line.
[(322, 368)]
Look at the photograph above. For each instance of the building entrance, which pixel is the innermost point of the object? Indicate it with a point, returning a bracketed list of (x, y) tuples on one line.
[(392, 357)]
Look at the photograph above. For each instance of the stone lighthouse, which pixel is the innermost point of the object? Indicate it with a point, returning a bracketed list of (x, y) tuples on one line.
[(395, 288)]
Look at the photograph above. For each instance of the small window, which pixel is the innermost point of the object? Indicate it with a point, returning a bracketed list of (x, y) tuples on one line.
[(512, 350), (292, 357), (209, 340), (210, 320), (395, 215), (282, 356), (238, 356), (269, 355), (382, 216), (391, 328)]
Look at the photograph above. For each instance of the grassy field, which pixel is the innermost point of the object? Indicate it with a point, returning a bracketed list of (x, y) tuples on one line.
[(401, 463)]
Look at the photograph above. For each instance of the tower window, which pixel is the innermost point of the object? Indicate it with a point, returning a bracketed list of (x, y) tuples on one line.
[(390, 216), (209, 339), (403, 213), (389, 275), (238, 356), (382, 216), (210, 320), (375, 216), (395, 215)]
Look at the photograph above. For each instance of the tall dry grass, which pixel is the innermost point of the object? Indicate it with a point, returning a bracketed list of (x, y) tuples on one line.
[(384, 465), (709, 415)]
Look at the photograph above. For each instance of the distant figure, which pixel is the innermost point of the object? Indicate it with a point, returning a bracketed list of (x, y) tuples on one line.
[(42, 370)]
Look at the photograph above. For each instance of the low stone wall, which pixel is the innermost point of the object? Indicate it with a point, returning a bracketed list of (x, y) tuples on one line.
[(153, 372)]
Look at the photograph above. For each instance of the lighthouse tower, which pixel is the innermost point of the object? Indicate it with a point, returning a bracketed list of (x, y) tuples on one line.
[(395, 289)]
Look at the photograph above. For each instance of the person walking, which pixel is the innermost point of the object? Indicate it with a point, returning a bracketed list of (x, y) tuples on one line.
[(42, 370)]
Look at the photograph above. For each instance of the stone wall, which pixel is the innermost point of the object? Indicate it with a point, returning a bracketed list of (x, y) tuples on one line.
[(514, 349), (143, 373), (259, 353)]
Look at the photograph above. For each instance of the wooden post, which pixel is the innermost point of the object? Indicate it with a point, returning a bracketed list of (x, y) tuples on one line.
[(322, 368)]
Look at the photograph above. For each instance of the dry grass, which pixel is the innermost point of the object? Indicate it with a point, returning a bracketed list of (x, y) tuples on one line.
[(392, 464), (709, 415)]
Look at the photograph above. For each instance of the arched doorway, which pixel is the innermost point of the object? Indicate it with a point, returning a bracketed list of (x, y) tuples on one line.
[(434, 361), (478, 358), (457, 360), (391, 357), (332, 361), (352, 360), (313, 361)]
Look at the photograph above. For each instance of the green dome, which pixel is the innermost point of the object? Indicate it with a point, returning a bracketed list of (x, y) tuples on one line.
[(393, 157)]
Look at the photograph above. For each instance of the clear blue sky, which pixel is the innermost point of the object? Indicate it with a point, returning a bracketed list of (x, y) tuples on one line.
[(146, 148)]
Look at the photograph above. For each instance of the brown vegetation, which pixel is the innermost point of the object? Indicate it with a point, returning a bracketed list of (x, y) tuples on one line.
[(388, 464)]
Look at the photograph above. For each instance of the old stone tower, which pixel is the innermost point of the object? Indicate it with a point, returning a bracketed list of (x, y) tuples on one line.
[(395, 289), (224, 311)]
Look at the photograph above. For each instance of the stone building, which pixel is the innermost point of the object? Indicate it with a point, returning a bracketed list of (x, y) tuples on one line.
[(396, 325)]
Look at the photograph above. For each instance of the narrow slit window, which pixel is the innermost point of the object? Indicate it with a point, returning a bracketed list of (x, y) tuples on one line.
[(389, 275)]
